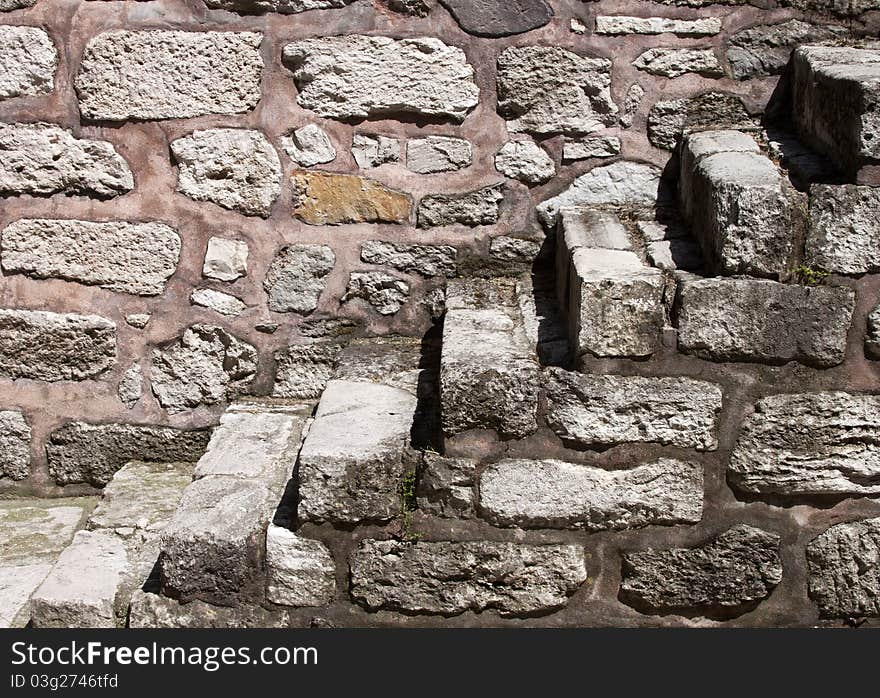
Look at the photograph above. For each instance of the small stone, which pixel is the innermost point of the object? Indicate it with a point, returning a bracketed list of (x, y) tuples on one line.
[(301, 571), (724, 577), (42, 159), (202, 367), (427, 260), (327, 327), (219, 302), (872, 338), (169, 74), (413, 8), (323, 198), (495, 18), (657, 231), (47, 346), (309, 146), (672, 62), (514, 253), (619, 24), (844, 229), (15, 445), (360, 77), (28, 61), (590, 147), (438, 154), (526, 161), (131, 386), (631, 104), (577, 26), (372, 151), (302, 371), (154, 611), (287, 7), (267, 327), (669, 120), (135, 258), (138, 320), (842, 8), (450, 578), (297, 277), (670, 255), (446, 487), (233, 168), (480, 207), (384, 292), (547, 90), (225, 259)]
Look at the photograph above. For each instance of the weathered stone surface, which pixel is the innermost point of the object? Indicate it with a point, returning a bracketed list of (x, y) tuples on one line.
[(15, 445), (6, 5), (233, 168), (675, 254), (359, 77), (372, 151), (450, 578), (843, 8), (547, 90), (872, 336), (764, 321), (438, 154), (427, 260), (17, 583), (526, 161), (309, 146), (766, 49), (131, 386), (390, 360), (225, 259), (590, 147), (621, 24), (446, 487), (513, 255), (301, 571), (202, 367), (494, 18), (46, 346), (844, 230), (154, 611), (480, 207), (386, 293), (488, 371), (297, 277), (302, 371), (219, 302), (726, 576), (631, 103), (810, 444), (353, 460), (594, 410), (669, 120), (28, 60), (622, 183), (138, 320), (673, 62), (413, 8), (323, 198), (844, 566), (43, 159), (92, 453), (835, 103), (169, 74), (135, 258), (555, 494), (287, 7)]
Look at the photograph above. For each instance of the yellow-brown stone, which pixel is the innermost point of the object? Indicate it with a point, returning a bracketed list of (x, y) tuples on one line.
[(324, 198)]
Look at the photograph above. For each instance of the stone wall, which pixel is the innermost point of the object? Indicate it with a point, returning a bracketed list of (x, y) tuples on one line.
[(205, 201)]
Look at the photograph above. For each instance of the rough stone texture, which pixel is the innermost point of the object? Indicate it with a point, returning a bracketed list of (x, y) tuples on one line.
[(726, 576), (15, 445), (302, 371), (844, 566), (449, 578), (413, 8), (46, 346), (673, 62), (842, 8), (7, 5), (547, 90), (675, 254), (219, 302), (154, 611), (138, 320), (872, 335), (526, 161), (621, 24), (287, 7), (596, 411), (131, 386), (202, 367), (590, 147), (446, 487), (309, 146), (844, 230), (297, 277), (669, 120), (810, 444), (359, 77), (373, 151), (622, 183), (42, 159), (494, 18), (225, 260), (488, 371), (169, 74), (92, 453), (438, 154), (301, 571), (555, 494), (766, 49), (427, 260), (322, 198), (764, 321), (135, 258), (386, 293), (28, 60), (233, 168), (480, 207), (352, 463)]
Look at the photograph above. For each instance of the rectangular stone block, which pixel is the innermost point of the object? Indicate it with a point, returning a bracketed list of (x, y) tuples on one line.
[(301, 571), (764, 321), (844, 232)]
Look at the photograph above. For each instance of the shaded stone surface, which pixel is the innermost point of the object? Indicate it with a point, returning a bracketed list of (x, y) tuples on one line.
[(844, 229), (673, 62), (494, 18), (872, 334), (384, 292), (225, 259), (28, 60), (373, 151), (766, 49), (301, 572), (427, 260), (480, 207), (446, 486), (323, 198), (526, 161), (669, 120), (297, 276), (302, 371), (308, 146), (15, 445)]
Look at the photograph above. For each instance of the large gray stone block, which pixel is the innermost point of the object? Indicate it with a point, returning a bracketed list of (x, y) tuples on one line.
[(844, 231)]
